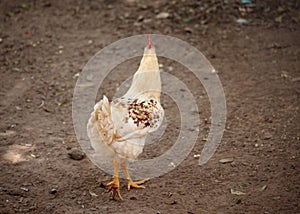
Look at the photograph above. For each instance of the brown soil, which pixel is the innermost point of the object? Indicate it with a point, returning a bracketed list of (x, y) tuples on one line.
[(44, 44)]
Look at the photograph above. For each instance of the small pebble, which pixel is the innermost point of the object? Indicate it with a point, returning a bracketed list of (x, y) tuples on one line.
[(242, 21), (140, 18), (188, 30), (18, 108), (133, 198), (170, 68), (171, 202), (162, 15), (53, 191), (172, 164), (76, 154), (267, 136)]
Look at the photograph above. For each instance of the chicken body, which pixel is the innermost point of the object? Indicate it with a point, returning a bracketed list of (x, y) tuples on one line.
[(124, 124)]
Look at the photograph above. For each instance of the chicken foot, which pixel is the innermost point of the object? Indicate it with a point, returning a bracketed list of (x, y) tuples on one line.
[(131, 183), (114, 186)]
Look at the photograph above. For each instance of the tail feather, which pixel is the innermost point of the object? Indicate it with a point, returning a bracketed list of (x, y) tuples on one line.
[(100, 126)]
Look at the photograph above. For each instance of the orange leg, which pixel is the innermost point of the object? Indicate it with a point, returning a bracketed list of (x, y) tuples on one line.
[(129, 180), (114, 186)]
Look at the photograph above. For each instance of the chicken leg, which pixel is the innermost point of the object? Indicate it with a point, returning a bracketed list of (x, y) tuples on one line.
[(114, 186), (129, 180)]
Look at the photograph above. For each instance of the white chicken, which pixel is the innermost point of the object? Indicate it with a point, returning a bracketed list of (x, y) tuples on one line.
[(124, 124)]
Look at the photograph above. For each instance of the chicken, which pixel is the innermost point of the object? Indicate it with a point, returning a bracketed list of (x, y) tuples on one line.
[(123, 124)]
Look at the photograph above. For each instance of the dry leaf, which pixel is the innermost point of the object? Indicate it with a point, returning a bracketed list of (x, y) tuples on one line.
[(92, 193), (47, 110), (226, 160), (236, 192), (263, 188)]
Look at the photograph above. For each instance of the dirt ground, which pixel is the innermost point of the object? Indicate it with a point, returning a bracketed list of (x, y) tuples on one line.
[(45, 44)]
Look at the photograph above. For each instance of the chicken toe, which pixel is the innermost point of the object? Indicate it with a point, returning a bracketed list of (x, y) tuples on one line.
[(114, 188), (136, 184)]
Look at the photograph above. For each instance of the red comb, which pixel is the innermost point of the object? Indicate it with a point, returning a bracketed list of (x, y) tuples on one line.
[(149, 42)]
